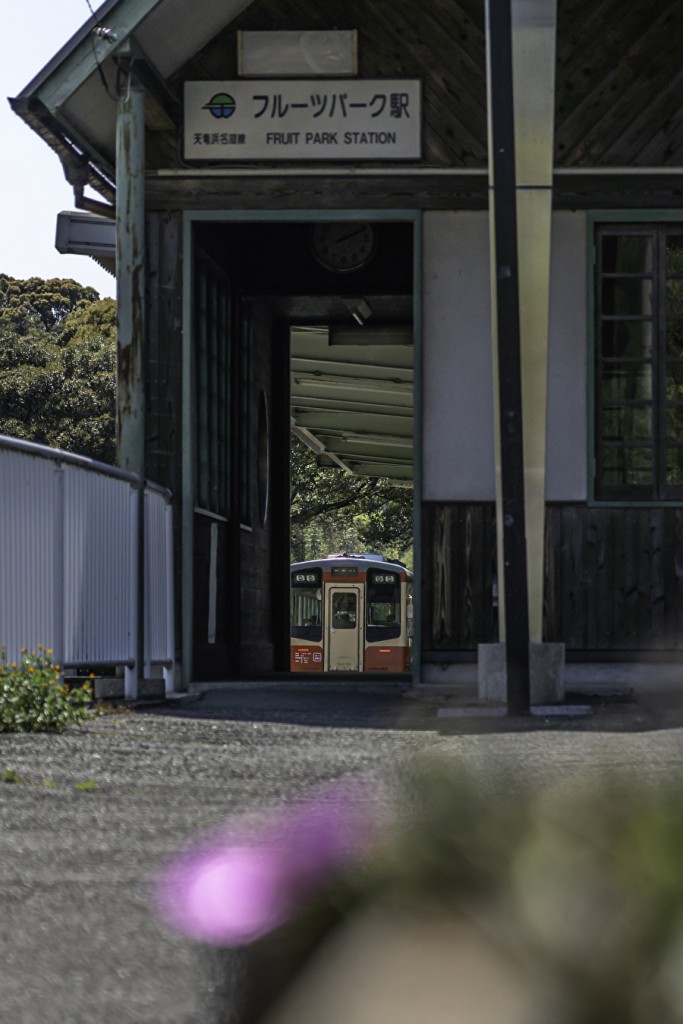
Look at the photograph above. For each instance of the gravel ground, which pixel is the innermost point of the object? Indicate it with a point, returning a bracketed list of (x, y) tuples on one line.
[(98, 810)]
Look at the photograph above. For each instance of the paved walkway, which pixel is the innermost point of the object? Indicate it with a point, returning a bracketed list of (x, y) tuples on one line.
[(99, 810)]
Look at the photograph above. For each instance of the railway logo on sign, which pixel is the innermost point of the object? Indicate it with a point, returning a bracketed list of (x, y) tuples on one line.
[(220, 105)]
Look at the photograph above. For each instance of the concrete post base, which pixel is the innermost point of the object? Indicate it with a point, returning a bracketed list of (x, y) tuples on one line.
[(546, 666), (112, 688)]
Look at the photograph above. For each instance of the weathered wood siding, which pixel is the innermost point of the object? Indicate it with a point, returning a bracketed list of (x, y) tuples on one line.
[(256, 591), (244, 627), (163, 422), (164, 349), (618, 83), (614, 578), (440, 42), (458, 557)]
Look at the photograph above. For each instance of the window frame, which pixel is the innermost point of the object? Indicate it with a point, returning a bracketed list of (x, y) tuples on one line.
[(655, 223), (375, 631), (213, 334), (244, 332)]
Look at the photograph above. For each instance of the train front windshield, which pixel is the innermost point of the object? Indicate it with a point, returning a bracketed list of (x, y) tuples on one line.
[(383, 606), (306, 605)]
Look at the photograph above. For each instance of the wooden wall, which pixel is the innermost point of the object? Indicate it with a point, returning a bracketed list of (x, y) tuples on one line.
[(164, 349), (618, 80), (256, 627), (163, 419), (459, 566), (245, 636), (614, 578), (442, 43)]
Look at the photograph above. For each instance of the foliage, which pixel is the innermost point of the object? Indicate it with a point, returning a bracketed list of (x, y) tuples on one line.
[(334, 511), (32, 699), (38, 303), (58, 365)]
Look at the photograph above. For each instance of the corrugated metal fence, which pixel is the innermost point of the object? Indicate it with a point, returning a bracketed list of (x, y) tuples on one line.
[(68, 562)]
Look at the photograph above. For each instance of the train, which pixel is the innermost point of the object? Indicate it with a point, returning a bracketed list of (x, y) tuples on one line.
[(351, 613)]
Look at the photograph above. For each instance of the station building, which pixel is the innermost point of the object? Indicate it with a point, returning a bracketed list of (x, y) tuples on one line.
[(312, 235)]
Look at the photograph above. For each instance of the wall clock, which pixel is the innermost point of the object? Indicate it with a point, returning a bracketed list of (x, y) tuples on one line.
[(343, 245)]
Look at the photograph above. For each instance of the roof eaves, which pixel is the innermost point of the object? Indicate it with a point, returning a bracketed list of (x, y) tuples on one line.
[(100, 175), (86, 51), (39, 103)]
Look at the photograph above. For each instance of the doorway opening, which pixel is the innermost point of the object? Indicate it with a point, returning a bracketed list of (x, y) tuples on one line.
[(303, 381)]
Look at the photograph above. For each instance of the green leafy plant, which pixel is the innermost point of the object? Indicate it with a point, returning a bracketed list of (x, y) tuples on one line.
[(34, 699), (10, 775)]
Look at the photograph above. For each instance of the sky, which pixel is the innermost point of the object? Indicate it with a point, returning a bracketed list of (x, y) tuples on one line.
[(33, 189)]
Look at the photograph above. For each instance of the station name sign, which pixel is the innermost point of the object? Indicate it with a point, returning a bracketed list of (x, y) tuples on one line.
[(303, 119)]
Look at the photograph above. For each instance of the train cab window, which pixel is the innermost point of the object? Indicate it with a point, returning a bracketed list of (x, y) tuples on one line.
[(306, 605), (383, 606), (343, 611)]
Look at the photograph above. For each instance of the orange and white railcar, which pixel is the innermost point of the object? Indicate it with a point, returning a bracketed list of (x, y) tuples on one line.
[(351, 613)]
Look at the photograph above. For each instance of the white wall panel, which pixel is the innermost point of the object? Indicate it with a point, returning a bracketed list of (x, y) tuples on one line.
[(457, 402), (567, 438)]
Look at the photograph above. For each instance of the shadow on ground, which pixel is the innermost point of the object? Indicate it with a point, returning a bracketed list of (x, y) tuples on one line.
[(397, 711)]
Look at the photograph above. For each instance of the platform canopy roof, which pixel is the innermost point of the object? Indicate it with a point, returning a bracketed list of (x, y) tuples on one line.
[(352, 397)]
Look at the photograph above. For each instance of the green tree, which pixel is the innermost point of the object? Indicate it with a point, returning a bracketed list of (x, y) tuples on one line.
[(334, 511), (58, 365), (36, 302)]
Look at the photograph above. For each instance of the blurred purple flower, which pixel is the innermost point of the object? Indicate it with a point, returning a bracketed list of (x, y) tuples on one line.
[(243, 883)]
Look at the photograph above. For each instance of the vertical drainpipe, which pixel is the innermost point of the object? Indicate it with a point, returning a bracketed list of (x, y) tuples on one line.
[(130, 302), (533, 25)]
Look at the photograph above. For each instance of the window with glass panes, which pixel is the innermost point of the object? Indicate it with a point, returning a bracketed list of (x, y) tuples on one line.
[(245, 413), (212, 334), (639, 362)]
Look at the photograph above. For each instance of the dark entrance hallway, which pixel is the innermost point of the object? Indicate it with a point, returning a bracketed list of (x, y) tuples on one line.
[(286, 337)]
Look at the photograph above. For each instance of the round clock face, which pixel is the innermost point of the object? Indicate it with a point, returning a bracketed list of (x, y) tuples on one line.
[(343, 245)]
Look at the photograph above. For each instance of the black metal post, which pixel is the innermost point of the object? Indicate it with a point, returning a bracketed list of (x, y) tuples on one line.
[(502, 157)]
